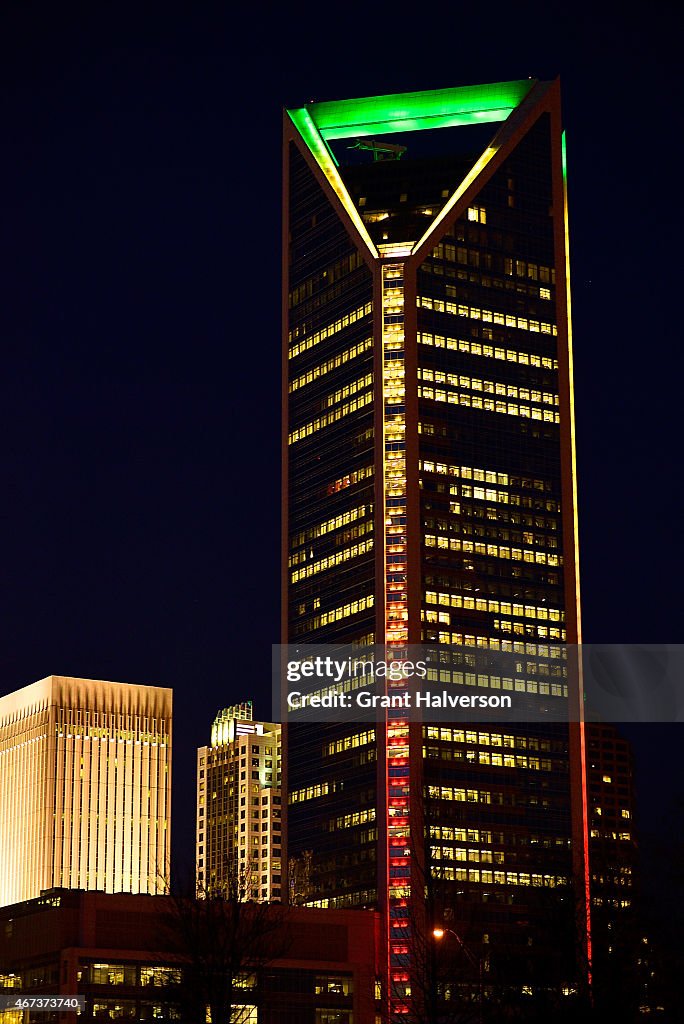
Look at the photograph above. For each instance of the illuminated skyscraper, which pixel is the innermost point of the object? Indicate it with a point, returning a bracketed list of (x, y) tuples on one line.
[(429, 494), (85, 788), (239, 808)]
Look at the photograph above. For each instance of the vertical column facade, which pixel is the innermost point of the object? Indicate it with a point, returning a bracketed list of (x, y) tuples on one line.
[(397, 839), (85, 788)]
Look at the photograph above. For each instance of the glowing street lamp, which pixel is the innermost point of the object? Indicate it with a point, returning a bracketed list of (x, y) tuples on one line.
[(438, 934)]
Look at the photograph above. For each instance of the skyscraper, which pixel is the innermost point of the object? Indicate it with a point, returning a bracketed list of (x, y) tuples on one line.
[(239, 836), (429, 493), (85, 788)]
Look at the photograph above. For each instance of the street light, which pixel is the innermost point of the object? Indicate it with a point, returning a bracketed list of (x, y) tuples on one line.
[(476, 961)]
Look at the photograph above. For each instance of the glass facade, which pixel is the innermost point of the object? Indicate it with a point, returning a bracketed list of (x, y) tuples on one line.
[(330, 530), (492, 521), (330, 422), (465, 445)]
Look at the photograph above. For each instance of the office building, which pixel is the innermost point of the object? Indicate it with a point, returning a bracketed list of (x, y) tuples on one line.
[(612, 807), (239, 851), (85, 788), (617, 929), (429, 497)]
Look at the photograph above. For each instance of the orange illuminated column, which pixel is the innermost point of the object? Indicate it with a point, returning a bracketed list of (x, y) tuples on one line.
[(85, 788)]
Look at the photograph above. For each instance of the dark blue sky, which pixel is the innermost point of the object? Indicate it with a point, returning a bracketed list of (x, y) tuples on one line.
[(140, 241)]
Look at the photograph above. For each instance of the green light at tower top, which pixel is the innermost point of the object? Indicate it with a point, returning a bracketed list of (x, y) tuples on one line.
[(416, 111), (319, 123)]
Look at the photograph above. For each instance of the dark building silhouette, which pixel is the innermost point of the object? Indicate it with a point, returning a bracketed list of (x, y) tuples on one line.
[(618, 939)]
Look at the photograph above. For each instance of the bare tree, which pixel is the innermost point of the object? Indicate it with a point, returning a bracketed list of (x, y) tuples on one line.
[(224, 941), (299, 876)]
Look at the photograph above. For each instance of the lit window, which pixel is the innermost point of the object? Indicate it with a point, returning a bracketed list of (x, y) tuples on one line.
[(478, 214)]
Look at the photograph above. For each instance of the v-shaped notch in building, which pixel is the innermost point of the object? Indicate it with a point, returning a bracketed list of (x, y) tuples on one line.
[(395, 206)]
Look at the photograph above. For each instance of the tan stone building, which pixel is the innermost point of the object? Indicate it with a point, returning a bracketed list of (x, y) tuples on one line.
[(85, 787)]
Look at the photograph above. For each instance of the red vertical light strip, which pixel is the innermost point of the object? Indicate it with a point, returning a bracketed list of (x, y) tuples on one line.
[(398, 851)]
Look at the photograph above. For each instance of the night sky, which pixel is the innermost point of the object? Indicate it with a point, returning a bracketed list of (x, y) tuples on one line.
[(139, 321)]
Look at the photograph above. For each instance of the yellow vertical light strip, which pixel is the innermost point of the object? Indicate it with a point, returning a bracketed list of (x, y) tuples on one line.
[(578, 607), (571, 384), (394, 452)]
